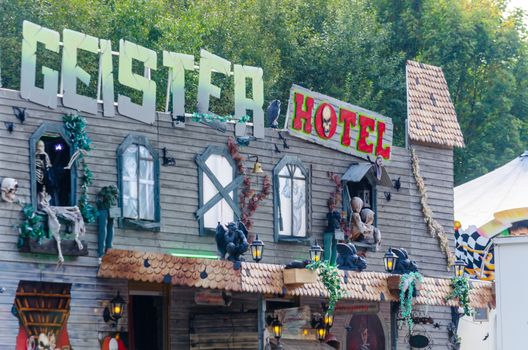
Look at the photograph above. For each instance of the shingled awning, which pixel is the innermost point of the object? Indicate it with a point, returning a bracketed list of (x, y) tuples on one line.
[(268, 278), (431, 113)]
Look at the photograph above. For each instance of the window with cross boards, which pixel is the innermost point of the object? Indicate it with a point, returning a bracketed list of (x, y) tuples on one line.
[(218, 181)]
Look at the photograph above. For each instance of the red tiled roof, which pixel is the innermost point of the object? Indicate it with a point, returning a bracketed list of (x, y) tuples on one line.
[(431, 114), (268, 278)]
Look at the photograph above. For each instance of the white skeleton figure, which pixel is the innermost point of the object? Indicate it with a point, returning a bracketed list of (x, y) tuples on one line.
[(9, 189), (41, 163), (70, 214)]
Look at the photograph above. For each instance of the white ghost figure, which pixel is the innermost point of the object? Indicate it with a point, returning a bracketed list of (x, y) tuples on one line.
[(113, 345)]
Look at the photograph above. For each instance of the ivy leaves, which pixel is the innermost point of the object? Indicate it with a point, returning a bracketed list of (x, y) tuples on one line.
[(76, 128), (331, 280), (31, 225), (461, 290), (408, 286)]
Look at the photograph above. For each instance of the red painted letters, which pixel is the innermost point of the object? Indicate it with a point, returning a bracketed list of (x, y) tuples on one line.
[(380, 150), (366, 125), (348, 119), (301, 113)]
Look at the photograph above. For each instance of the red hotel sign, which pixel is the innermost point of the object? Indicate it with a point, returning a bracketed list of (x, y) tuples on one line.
[(338, 125)]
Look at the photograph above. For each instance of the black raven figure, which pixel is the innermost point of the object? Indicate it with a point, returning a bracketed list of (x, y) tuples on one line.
[(273, 113)]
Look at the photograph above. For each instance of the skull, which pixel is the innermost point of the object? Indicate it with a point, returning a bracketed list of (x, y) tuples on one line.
[(43, 342), (327, 119), (46, 341), (9, 189)]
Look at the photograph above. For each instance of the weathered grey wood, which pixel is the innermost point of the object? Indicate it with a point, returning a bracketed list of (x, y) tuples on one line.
[(400, 220)]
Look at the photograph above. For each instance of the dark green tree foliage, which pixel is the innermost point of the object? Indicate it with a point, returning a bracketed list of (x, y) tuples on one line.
[(352, 50)]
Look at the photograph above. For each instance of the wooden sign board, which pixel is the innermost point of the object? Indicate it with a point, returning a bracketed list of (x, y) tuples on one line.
[(294, 321), (338, 125), (362, 308), (209, 297)]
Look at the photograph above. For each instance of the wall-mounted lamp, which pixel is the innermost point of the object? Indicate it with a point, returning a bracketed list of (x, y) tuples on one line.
[(276, 326), (460, 266), (318, 323), (315, 252), (397, 261), (114, 311), (257, 167), (389, 259), (328, 320), (257, 249)]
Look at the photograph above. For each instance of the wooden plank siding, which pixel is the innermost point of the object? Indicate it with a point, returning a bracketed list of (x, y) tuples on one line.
[(400, 220)]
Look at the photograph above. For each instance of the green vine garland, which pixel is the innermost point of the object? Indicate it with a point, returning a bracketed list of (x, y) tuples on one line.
[(461, 290), (199, 117), (31, 226), (76, 128), (408, 284), (331, 280)]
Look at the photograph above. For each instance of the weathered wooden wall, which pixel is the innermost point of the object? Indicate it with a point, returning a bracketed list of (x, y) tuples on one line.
[(400, 220)]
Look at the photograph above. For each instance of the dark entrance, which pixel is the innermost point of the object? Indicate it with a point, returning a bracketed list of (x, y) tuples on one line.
[(147, 322)]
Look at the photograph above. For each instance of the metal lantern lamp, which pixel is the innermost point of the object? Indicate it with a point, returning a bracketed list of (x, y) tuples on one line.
[(459, 268), (276, 325), (316, 252), (328, 320), (320, 331), (257, 249), (389, 259), (115, 311)]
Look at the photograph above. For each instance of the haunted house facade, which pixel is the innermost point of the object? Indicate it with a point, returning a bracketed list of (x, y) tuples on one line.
[(153, 240)]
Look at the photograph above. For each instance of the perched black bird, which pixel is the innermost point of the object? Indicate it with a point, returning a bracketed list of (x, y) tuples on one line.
[(388, 196), (273, 113), (284, 143), (397, 183), (146, 263), (277, 150), (10, 126), (20, 114), (486, 337)]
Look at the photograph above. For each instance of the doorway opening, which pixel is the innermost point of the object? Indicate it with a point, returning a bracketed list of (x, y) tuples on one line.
[(148, 318)]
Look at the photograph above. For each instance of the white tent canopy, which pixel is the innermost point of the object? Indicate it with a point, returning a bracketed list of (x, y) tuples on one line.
[(504, 188)]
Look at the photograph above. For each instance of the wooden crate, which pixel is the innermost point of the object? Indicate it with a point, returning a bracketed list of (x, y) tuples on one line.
[(299, 276)]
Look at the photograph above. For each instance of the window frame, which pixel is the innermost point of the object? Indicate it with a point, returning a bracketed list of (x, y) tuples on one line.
[(139, 224), (233, 186), (50, 128), (290, 160)]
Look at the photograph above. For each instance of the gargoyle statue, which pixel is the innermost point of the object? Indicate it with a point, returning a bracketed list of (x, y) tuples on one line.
[(348, 259), (404, 264), (231, 241)]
